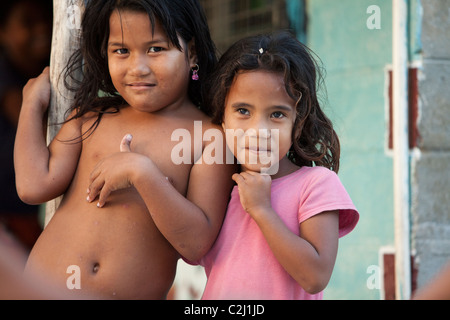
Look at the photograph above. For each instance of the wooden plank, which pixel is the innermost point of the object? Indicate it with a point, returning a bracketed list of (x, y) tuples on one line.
[(65, 41)]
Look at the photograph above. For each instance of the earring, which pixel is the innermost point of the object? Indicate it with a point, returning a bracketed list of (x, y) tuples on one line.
[(195, 72)]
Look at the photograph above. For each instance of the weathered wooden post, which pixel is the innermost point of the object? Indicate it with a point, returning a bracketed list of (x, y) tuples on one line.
[(65, 40)]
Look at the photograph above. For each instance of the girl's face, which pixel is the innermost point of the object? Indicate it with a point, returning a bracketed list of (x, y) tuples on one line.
[(258, 104), (150, 73)]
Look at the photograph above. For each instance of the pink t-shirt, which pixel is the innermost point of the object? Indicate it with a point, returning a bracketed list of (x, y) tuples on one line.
[(240, 265)]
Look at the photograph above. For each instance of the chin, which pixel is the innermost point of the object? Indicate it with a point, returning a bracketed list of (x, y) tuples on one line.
[(269, 166), (260, 168), (145, 107)]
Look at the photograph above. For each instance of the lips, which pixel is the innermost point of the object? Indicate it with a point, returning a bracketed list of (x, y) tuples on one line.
[(140, 85), (256, 149)]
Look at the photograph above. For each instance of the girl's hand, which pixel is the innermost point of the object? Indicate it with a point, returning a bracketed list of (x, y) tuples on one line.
[(114, 172), (254, 191), (37, 92)]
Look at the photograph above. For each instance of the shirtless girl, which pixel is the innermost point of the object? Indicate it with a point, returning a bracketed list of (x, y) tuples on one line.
[(127, 246)]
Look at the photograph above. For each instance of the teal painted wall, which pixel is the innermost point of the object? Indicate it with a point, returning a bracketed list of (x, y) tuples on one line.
[(355, 59)]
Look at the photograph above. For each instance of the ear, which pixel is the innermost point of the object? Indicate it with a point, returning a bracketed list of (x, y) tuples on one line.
[(192, 53)]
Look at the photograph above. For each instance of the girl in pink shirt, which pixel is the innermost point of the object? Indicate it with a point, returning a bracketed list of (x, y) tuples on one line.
[(280, 235)]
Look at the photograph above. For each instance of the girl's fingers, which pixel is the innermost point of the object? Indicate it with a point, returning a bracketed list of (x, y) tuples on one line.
[(237, 177), (104, 194), (125, 144), (94, 189)]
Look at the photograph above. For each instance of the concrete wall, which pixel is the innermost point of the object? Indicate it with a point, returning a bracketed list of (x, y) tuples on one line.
[(355, 58), (430, 169)]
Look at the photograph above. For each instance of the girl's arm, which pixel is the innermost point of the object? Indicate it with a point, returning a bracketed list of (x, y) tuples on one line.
[(308, 258), (42, 173), (192, 223)]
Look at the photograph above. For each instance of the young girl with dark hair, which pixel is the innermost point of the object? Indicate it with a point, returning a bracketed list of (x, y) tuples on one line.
[(279, 239), (144, 64)]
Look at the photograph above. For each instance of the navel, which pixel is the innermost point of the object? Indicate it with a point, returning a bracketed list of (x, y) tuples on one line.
[(95, 267)]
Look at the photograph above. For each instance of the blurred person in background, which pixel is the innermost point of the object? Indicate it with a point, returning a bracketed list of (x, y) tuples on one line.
[(25, 43)]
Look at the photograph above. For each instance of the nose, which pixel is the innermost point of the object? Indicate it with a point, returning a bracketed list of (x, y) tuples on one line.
[(260, 128), (139, 65), (264, 133), (259, 134)]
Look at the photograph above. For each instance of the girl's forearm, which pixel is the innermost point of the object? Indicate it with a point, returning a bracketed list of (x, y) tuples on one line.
[(31, 155), (43, 172), (187, 226), (311, 269)]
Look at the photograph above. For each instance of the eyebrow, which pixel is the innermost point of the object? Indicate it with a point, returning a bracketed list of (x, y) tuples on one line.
[(115, 44), (283, 107), (149, 43), (238, 105)]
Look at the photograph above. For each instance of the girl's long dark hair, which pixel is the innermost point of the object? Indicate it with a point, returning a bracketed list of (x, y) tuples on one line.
[(314, 140), (96, 92)]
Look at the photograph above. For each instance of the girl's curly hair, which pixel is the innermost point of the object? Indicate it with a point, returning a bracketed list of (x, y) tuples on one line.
[(314, 140)]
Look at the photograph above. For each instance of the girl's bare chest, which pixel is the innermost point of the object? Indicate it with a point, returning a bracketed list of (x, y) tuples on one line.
[(159, 144)]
